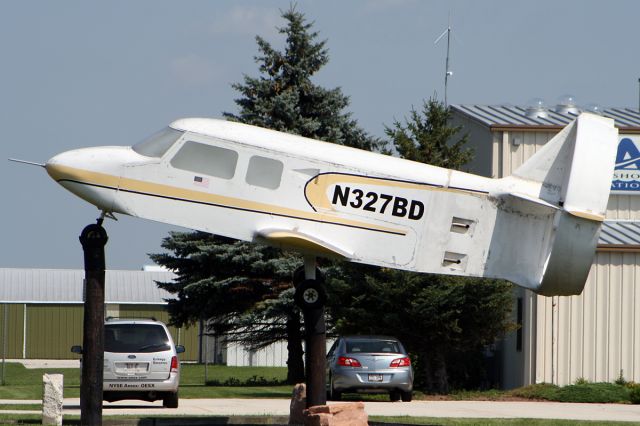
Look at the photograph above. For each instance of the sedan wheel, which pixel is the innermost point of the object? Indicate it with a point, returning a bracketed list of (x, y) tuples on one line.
[(407, 396), (334, 395), (394, 396)]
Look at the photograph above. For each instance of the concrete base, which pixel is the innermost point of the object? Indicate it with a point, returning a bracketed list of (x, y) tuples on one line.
[(346, 414), (52, 395)]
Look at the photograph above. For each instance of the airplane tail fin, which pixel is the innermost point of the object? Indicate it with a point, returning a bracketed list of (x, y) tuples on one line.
[(572, 175), (576, 166)]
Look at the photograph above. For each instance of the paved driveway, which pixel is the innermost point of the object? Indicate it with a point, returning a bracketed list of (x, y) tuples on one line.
[(280, 407), (470, 409)]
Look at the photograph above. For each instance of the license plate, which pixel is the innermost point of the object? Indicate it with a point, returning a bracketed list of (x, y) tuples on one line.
[(132, 367), (375, 377)]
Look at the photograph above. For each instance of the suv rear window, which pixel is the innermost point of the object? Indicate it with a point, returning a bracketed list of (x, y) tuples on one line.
[(372, 346), (135, 338)]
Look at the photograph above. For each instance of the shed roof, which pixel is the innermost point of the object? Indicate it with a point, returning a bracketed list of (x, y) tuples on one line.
[(504, 116), (66, 286)]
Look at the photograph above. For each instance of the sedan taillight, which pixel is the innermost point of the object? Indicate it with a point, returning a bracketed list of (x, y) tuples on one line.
[(348, 362), (174, 364), (401, 362)]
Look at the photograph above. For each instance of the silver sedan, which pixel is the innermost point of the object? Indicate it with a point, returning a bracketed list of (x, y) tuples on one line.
[(369, 364)]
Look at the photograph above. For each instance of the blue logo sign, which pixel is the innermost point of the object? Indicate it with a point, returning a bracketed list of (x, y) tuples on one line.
[(626, 175)]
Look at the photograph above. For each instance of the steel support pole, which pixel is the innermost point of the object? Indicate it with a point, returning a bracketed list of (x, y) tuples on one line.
[(93, 239), (315, 342)]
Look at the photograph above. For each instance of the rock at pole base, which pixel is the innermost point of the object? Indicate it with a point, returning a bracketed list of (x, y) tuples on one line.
[(344, 414)]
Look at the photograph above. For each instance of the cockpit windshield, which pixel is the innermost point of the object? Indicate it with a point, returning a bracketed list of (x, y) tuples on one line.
[(157, 144)]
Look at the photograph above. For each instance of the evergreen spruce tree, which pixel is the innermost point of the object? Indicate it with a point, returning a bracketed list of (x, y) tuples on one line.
[(427, 137), (284, 98), (244, 289)]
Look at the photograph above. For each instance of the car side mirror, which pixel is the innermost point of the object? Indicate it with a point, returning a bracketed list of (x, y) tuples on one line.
[(179, 349), (76, 349)]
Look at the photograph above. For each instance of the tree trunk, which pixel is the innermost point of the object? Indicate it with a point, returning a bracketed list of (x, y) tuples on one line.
[(434, 368), (440, 373), (295, 361), (427, 375)]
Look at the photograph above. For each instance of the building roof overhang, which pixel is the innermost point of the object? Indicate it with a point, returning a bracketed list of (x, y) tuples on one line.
[(515, 118)]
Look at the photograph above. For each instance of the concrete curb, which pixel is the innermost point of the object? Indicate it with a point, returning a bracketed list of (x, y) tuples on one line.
[(279, 408)]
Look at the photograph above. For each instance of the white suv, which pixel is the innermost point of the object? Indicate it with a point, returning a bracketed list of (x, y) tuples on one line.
[(140, 361)]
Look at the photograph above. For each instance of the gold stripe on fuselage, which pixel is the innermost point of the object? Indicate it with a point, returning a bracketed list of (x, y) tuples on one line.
[(65, 173)]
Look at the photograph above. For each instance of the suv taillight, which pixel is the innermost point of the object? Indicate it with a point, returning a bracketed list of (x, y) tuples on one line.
[(174, 364), (401, 362), (348, 362)]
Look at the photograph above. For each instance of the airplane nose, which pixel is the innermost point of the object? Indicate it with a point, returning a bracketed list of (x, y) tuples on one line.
[(92, 174), (61, 169)]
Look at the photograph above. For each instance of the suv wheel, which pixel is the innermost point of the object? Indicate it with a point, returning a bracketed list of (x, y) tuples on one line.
[(170, 400)]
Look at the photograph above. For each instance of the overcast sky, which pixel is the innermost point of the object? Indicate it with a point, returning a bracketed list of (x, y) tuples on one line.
[(78, 73)]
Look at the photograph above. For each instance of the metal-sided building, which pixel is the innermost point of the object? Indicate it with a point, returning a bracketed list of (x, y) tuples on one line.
[(596, 335), (41, 310)]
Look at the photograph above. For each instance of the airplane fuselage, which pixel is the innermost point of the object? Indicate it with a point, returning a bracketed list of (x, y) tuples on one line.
[(260, 185)]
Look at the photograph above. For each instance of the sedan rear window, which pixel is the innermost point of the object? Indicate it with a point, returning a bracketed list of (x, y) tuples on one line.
[(372, 346), (135, 338), (158, 144)]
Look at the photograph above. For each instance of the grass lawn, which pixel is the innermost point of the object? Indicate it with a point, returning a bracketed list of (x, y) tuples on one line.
[(268, 382), (27, 407), (23, 383)]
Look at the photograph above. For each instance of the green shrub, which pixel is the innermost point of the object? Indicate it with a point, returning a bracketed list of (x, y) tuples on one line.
[(538, 391), (593, 392), (251, 381), (473, 395), (634, 393), (620, 380)]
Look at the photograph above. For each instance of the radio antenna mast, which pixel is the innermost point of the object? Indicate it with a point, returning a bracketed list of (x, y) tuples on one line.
[(448, 71)]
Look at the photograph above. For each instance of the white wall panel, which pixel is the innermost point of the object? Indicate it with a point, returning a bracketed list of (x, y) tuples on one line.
[(593, 336), (623, 207), (272, 356)]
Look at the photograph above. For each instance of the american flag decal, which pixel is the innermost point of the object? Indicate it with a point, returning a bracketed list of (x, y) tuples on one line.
[(201, 181)]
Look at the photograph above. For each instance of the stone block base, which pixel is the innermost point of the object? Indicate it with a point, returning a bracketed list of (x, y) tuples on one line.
[(344, 414), (52, 399)]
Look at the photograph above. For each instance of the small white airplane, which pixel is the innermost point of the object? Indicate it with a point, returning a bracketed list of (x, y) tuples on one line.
[(537, 228)]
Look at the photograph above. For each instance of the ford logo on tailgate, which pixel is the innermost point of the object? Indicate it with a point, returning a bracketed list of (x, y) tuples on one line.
[(131, 357)]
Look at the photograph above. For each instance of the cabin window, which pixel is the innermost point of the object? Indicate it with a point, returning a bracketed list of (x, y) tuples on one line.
[(264, 172), (206, 159), (158, 144)]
